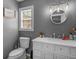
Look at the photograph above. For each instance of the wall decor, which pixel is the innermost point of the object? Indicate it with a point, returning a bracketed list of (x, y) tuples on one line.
[(58, 12), (9, 13), (58, 18)]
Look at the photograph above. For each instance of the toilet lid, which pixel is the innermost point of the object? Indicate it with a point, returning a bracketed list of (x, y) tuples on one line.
[(17, 51)]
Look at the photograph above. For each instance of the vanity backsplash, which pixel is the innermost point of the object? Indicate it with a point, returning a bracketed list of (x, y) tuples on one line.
[(62, 36)]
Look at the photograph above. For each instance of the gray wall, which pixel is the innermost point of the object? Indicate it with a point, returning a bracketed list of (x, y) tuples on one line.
[(42, 21), (10, 28)]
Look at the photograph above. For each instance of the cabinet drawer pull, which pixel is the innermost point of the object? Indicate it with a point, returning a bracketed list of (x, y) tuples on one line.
[(60, 48)]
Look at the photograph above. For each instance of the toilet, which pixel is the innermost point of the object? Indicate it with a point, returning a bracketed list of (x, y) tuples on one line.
[(20, 52)]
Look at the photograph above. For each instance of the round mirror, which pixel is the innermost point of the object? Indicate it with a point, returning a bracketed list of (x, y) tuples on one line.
[(58, 17)]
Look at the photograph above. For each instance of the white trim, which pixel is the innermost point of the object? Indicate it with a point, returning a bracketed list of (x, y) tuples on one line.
[(23, 8)]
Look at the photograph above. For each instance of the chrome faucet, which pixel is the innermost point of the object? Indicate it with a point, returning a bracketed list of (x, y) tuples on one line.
[(53, 35)]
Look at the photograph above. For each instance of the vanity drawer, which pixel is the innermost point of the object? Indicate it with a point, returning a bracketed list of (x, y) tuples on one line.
[(58, 56), (62, 50), (73, 52), (48, 56), (37, 45), (36, 57), (43, 46), (37, 53), (72, 57), (48, 48)]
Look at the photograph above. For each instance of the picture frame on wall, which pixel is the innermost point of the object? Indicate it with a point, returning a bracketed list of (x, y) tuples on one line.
[(9, 13)]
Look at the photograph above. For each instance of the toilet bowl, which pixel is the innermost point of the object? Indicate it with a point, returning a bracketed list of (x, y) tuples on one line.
[(20, 52), (16, 53)]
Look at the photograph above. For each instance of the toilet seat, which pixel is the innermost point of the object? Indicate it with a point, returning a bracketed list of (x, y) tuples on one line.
[(18, 51)]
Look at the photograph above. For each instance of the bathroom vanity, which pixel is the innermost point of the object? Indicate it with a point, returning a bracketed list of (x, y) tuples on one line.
[(53, 48)]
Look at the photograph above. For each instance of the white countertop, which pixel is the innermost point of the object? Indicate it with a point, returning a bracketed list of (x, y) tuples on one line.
[(70, 43)]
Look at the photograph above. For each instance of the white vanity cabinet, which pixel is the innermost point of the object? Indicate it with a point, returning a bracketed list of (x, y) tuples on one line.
[(49, 48)]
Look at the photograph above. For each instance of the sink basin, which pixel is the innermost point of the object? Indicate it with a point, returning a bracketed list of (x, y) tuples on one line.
[(49, 38), (56, 41)]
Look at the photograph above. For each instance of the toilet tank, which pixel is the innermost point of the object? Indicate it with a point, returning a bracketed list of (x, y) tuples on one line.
[(24, 42)]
